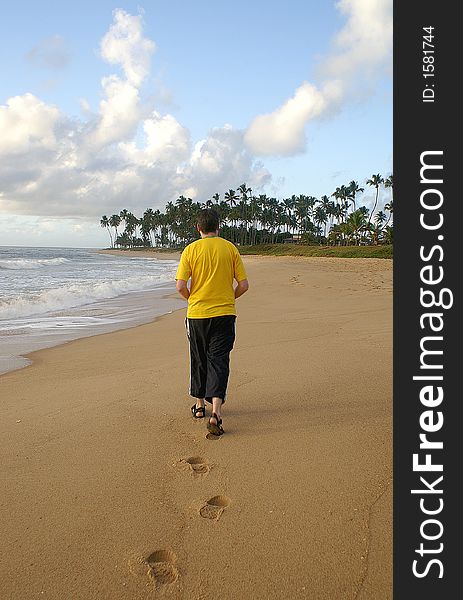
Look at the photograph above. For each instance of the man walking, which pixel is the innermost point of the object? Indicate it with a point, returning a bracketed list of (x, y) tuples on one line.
[(213, 264)]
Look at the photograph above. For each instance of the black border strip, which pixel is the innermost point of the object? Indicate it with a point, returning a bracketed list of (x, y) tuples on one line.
[(419, 127)]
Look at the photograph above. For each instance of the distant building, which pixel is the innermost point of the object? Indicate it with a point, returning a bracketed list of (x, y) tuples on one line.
[(294, 239)]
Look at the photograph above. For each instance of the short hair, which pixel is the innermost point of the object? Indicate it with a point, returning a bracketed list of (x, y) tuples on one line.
[(208, 220)]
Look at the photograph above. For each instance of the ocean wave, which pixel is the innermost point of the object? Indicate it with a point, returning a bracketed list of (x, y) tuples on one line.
[(78, 294), (31, 263)]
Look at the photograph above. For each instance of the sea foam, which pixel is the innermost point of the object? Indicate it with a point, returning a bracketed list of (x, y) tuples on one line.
[(31, 263), (71, 295)]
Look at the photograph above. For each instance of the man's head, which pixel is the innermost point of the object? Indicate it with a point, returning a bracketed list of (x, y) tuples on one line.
[(208, 221)]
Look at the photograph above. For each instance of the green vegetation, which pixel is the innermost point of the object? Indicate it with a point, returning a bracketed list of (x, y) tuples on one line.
[(383, 251), (153, 249), (333, 223)]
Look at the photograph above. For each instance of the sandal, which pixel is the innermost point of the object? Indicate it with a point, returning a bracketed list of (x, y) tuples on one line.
[(215, 428), (195, 410)]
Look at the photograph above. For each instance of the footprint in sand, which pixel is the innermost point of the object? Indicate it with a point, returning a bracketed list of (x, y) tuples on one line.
[(214, 507), (295, 280), (162, 570), (211, 436), (197, 466)]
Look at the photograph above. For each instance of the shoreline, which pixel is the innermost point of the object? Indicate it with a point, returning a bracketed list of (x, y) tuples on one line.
[(26, 359), (37, 354), (173, 255), (23, 359), (96, 439), (19, 356)]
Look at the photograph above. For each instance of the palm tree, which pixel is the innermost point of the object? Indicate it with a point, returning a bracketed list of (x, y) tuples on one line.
[(338, 195), (375, 232), (388, 235), (145, 228), (354, 189), (375, 181), (335, 234), (357, 223), (246, 193), (131, 223), (311, 201), (232, 198), (380, 218), (389, 207), (147, 224), (364, 210), (253, 219), (156, 222), (337, 213), (320, 217), (163, 237), (327, 205), (303, 209), (345, 196), (263, 214), (123, 215), (288, 204), (388, 183), (124, 240), (104, 222), (274, 217), (170, 222), (115, 221)]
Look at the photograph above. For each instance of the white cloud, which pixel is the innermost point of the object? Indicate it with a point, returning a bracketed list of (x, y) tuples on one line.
[(125, 45), (119, 113), (282, 132), (360, 52), (221, 161), (26, 124), (127, 155), (166, 141), (363, 46)]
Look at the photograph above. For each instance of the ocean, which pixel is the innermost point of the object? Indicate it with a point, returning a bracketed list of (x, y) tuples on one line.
[(53, 295)]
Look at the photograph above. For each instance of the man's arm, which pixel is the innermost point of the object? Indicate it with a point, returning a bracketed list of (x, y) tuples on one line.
[(182, 288), (241, 288)]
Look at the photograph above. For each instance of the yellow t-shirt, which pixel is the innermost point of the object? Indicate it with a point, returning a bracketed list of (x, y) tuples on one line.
[(212, 263)]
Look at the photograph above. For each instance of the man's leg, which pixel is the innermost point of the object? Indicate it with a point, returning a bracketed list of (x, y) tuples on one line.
[(221, 340), (197, 330), (216, 408)]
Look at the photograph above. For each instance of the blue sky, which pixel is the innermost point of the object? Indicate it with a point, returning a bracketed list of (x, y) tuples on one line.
[(215, 64)]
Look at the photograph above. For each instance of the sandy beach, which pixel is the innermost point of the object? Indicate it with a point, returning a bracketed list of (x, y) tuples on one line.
[(110, 490)]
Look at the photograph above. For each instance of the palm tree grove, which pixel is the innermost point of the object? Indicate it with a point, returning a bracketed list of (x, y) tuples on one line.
[(248, 220)]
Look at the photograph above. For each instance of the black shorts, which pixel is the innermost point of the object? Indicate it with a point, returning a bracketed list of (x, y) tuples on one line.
[(211, 341)]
